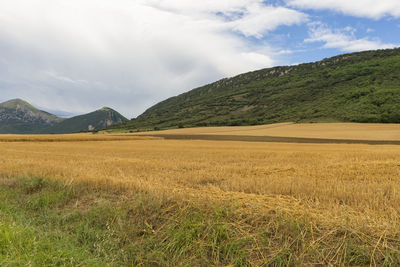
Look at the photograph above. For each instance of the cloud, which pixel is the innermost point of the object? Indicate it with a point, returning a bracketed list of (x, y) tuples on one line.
[(342, 39), (260, 19), (361, 8), (78, 55)]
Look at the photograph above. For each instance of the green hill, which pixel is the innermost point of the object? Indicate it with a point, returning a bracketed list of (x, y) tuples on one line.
[(97, 120), (18, 116), (356, 87)]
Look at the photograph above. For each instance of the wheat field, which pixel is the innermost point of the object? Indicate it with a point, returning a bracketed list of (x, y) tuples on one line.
[(334, 187), (356, 131)]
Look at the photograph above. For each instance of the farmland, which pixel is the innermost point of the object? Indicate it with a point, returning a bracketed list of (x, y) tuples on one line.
[(122, 200), (346, 131)]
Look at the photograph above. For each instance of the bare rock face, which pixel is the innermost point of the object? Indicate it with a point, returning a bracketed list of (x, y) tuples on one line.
[(111, 117)]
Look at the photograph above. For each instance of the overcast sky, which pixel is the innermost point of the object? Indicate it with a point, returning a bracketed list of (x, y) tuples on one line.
[(75, 56)]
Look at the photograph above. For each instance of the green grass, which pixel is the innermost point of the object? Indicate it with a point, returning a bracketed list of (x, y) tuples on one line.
[(44, 224), (49, 223)]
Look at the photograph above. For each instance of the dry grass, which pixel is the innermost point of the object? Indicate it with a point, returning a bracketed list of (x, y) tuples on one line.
[(334, 186), (365, 178), (356, 131)]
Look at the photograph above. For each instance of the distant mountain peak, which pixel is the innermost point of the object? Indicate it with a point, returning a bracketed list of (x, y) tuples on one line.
[(96, 120), (17, 102), (18, 116)]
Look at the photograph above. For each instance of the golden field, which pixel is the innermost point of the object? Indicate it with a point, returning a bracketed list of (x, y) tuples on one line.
[(340, 190), (355, 131)]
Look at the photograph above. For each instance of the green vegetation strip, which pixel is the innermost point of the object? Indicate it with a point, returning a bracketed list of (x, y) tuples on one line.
[(48, 223)]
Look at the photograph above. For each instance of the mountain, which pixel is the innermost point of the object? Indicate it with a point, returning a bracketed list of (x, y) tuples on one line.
[(356, 87), (18, 116), (97, 120)]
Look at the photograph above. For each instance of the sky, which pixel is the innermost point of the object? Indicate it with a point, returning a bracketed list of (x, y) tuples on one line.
[(71, 57)]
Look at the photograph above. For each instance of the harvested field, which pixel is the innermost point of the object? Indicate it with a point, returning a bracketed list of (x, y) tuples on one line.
[(337, 204), (339, 131)]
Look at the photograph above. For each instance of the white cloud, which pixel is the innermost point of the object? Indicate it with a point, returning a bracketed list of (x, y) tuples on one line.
[(81, 54), (343, 39), (375, 9), (260, 19)]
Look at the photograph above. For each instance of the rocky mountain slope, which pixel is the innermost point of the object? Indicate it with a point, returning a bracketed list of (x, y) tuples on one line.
[(19, 117), (97, 120), (356, 87)]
